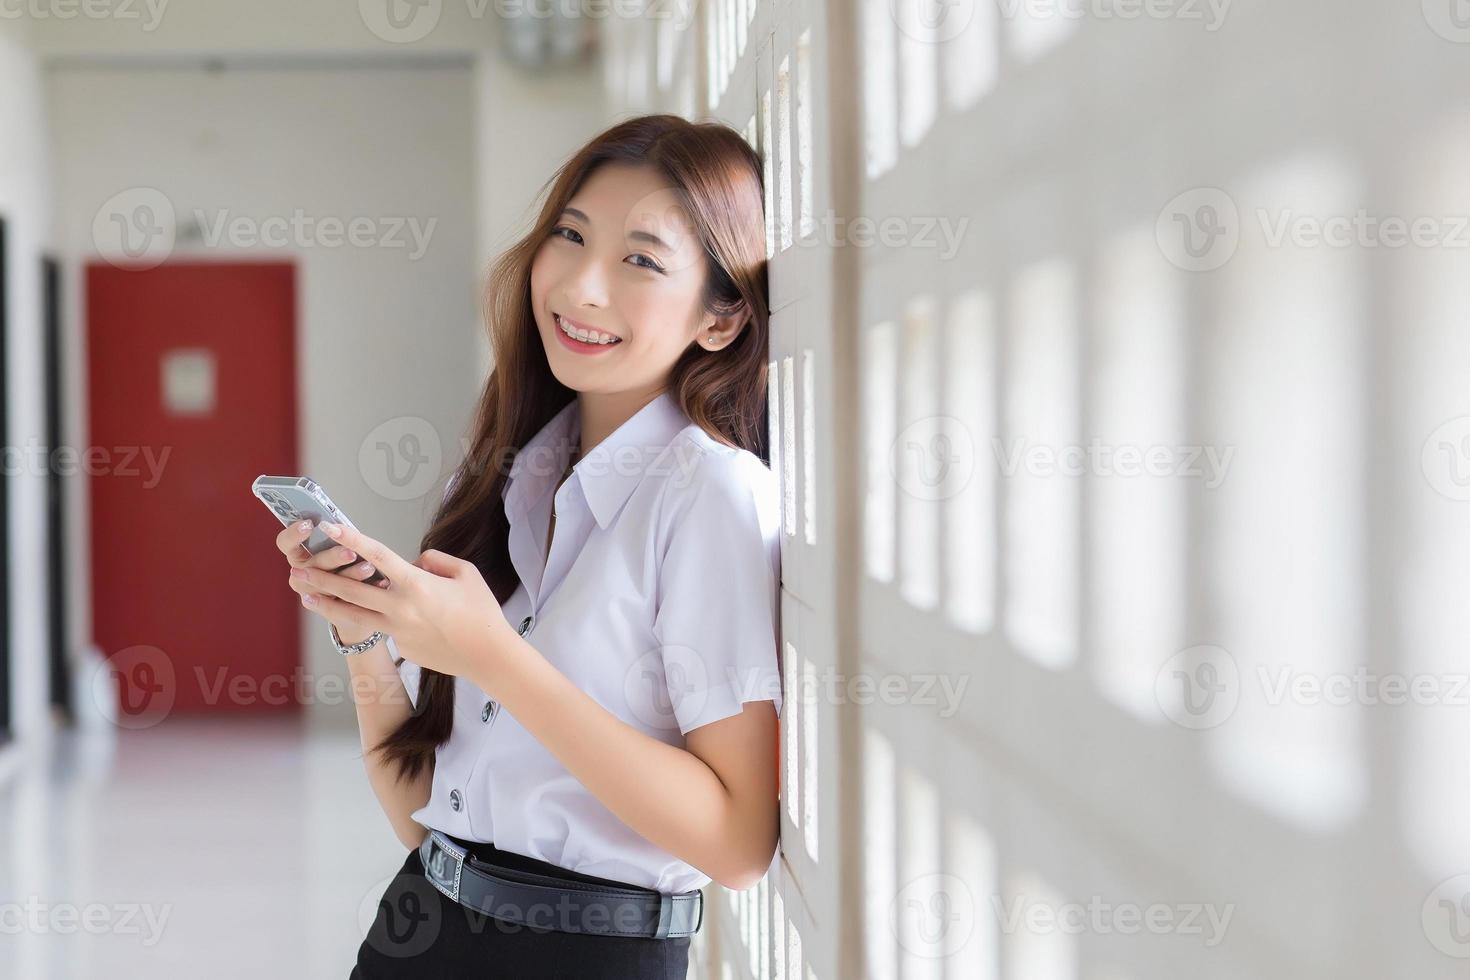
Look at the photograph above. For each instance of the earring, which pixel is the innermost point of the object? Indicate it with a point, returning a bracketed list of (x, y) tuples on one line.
[(712, 342)]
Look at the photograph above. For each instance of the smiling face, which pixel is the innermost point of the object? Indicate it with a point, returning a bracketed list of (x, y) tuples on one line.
[(622, 261)]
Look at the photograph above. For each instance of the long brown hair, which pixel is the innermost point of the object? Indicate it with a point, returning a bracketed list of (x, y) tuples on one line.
[(717, 179)]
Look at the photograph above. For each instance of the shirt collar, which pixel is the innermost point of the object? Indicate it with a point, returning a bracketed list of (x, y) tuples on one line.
[(608, 473)]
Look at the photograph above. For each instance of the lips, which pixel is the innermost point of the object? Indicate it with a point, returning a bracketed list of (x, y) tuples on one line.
[(582, 347), (586, 328)]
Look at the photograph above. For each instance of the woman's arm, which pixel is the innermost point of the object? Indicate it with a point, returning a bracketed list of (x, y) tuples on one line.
[(382, 705), (377, 689), (712, 804)]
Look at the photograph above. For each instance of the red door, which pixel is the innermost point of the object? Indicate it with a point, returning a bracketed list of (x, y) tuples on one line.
[(192, 379)]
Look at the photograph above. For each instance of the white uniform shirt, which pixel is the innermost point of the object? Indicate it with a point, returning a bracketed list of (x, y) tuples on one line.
[(660, 599)]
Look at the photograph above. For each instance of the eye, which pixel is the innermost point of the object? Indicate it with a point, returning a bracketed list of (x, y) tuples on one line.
[(651, 264)]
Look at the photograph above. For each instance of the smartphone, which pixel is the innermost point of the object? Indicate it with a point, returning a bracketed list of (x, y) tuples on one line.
[(298, 498)]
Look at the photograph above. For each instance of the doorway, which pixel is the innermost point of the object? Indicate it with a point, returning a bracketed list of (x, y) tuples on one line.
[(191, 374)]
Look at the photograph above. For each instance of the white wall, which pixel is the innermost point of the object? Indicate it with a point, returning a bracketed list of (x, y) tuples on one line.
[(528, 124), (393, 142), (132, 27), (24, 202), (1095, 696)]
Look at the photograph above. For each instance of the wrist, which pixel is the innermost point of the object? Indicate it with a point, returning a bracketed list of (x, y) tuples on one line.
[(352, 634), (490, 659), (352, 648)]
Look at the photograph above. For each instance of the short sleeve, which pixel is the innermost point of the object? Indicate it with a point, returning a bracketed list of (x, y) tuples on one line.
[(717, 616)]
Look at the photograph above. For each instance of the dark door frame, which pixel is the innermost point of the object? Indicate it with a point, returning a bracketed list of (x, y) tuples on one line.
[(56, 567)]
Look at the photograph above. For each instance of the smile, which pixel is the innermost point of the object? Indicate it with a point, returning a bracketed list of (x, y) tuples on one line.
[(584, 337)]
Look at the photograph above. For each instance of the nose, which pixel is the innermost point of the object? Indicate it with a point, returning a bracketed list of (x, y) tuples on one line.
[(586, 282)]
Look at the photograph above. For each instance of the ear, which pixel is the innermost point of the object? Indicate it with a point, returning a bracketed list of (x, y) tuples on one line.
[(719, 332)]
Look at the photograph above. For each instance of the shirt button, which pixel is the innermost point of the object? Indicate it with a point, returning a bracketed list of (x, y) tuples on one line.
[(455, 800), (525, 625), (487, 712)]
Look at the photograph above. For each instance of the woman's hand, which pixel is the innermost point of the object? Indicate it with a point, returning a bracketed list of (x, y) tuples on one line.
[(331, 561), (438, 609)]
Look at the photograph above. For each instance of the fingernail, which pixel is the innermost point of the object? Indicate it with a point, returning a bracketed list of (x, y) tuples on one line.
[(331, 529), (367, 570), (347, 555), (298, 573), (308, 600), (304, 526)]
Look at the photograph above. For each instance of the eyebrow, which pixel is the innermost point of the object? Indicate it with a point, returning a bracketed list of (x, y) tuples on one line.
[(634, 234)]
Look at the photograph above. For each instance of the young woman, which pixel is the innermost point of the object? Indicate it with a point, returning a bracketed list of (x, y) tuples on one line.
[(572, 722)]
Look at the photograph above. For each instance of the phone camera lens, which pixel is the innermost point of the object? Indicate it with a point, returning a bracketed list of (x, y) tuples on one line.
[(279, 505)]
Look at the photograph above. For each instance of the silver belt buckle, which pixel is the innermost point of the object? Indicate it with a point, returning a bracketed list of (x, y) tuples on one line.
[(445, 864)]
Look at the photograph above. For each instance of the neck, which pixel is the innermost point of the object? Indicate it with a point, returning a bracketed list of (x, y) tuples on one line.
[(602, 412)]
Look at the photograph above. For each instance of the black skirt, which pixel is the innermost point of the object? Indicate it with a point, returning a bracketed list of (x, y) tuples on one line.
[(422, 934)]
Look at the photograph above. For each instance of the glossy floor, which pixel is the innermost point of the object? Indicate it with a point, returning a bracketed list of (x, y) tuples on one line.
[(192, 849)]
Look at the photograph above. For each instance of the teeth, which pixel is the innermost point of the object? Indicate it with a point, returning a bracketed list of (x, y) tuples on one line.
[(586, 336)]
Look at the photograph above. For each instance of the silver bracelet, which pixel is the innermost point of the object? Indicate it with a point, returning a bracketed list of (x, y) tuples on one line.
[(349, 649)]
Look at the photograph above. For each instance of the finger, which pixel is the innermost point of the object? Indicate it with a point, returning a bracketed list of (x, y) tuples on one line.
[(439, 563), (379, 554), (332, 584), (333, 559), (345, 613), (359, 571), (302, 587), (291, 541)]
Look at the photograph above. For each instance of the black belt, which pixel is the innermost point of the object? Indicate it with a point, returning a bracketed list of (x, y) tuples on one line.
[(544, 902)]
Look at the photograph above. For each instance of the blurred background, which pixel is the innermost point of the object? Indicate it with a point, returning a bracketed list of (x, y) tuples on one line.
[(1117, 392)]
